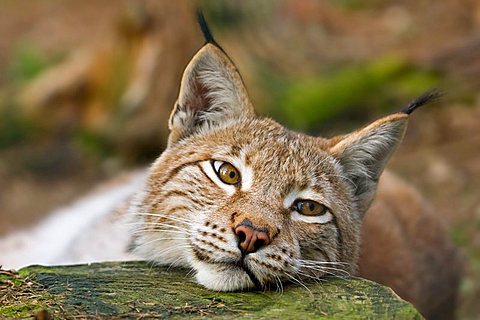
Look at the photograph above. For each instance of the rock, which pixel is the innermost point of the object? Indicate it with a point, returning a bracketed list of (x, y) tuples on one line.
[(139, 290)]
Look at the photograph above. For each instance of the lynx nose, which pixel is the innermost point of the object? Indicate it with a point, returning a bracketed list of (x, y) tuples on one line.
[(251, 238)]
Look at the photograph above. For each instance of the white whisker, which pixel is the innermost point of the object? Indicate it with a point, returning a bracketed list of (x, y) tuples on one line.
[(329, 270), (173, 263), (330, 267), (317, 279), (321, 262), (179, 219), (166, 250), (158, 239), (158, 224), (278, 283), (141, 231), (192, 269), (299, 282)]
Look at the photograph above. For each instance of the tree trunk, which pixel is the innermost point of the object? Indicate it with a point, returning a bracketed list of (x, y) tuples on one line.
[(138, 290)]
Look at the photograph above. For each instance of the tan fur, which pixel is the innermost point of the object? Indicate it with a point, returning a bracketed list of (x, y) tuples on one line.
[(187, 216), (404, 246)]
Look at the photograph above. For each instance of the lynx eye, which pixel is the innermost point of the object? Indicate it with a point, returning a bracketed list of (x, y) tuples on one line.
[(226, 172), (309, 208)]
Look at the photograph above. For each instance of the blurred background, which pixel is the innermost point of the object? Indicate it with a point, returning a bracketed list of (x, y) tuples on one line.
[(86, 88)]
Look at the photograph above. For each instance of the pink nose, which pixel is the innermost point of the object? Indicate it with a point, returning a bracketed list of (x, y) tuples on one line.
[(250, 238)]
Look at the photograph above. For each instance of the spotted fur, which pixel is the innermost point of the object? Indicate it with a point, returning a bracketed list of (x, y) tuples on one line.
[(187, 216)]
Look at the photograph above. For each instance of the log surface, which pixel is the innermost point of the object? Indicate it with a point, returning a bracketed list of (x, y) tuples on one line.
[(121, 290)]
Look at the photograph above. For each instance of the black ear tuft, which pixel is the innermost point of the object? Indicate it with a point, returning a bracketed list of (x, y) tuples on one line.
[(205, 29), (427, 97)]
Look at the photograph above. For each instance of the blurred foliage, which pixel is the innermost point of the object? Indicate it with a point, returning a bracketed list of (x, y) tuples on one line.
[(353, 4), (14, 128), (228, 15), (94, 144), (27, 62), (357, 91)]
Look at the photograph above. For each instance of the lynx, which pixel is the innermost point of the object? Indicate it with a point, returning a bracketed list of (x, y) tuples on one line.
[(247, 203)]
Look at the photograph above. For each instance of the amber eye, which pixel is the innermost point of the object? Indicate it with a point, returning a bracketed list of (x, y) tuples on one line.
[(226, 172), (309, 208)]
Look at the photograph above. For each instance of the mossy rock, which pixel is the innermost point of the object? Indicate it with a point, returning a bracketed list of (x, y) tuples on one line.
[(138, 290)]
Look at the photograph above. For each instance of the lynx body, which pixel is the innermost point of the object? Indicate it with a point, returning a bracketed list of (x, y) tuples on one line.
[(246, 203)]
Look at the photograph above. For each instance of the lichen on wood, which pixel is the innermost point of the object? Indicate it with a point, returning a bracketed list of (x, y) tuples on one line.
[(139, 290)]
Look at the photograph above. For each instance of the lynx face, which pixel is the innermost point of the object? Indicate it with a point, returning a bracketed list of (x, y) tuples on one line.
[(245, 202)]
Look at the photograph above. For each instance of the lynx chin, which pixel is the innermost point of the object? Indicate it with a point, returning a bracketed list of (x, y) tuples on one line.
[(246, 203)]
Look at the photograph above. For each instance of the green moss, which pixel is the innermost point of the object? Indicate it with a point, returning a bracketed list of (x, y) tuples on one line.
[(21, 311), (356, 91), (21, 296), (136, 289)]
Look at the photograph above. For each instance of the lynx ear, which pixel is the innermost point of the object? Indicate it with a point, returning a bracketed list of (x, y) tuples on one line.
[(211, 93), (363, 154)]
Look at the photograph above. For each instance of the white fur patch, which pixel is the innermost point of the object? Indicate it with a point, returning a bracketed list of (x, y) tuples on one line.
[(307, 194), (246, 172), (221, 280), (85, 231), (324, 218)]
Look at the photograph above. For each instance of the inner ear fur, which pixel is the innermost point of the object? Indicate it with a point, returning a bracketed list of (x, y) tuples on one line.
[(364, 153), (211, 92)]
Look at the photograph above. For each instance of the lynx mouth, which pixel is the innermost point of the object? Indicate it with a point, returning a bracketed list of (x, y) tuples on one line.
[(244, 267), (240, 265), (251, 275)]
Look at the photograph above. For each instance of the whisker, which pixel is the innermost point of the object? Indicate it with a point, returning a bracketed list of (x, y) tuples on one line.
[(144, 230), (192, 269), (329, 270), (162, 252), (317, 279), (325, 268), (324, 272), (153, 222), (321, 262), (166, 250), (172, 264), (278, 283), (158, 224), (299, 282), (163, 216), (158, 239), (322, 267)]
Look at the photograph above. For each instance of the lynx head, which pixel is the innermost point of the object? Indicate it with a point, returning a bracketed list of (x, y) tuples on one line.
[(247, 203)]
